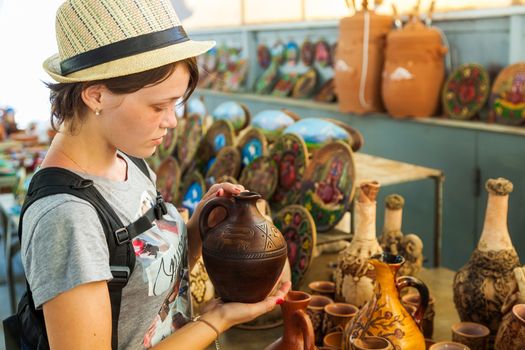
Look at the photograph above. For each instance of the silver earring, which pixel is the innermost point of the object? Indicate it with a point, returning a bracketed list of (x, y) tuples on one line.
[(97, 111)]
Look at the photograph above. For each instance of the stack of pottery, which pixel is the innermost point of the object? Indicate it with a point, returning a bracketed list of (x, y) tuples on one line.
[(483, 284), (359, 61), (354, 284)]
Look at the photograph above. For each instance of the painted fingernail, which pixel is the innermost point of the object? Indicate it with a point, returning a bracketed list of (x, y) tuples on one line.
[(279, 301)]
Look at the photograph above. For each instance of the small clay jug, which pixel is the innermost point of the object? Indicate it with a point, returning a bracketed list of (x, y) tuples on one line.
[(511, 333), (384, 315), (298, 330), (484, 283), (244, 254)]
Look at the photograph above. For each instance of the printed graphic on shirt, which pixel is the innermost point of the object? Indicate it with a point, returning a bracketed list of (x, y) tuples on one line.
[(162, 252)]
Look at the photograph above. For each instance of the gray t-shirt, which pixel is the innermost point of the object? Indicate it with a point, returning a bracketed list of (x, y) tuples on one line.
[(63, 246)]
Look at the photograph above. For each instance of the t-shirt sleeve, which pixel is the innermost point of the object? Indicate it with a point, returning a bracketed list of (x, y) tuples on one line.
[(63, 246)]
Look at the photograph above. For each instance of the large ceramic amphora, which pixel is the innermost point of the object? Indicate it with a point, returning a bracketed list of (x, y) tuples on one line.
[(384, 315), (298, 330), (414, 71), (483, 284), (244, 254), (359, 61)]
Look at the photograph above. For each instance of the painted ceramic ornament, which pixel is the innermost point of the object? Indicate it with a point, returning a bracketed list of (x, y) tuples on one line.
[(236, 113), (265, 83), (189, 140), (298, 228), (465, 91), (317, 132), (223, 57), (284, 86), (278, 51), (264, 57), (291, 156), (508, 95), (323, 53), (326, 93), (235, 77), (227, 163), (328, 184), (218, 136), (252, 145), (211, 60), (272, 123), (305, 85), (168, 179), (193, 189), (195, 105), (292, 53), (168, 144), (260, 176), (307, 53)]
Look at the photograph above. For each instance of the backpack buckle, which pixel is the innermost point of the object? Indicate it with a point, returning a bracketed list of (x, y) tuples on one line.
[(122, 236), (160, 208), (120, 275), (82, 184)]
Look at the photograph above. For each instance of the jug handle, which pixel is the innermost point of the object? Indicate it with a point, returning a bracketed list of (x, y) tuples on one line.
[(307, 329), (409, 281), (223, 202)]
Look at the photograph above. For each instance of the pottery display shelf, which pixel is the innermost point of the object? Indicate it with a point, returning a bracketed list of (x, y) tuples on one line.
[(438, 280)]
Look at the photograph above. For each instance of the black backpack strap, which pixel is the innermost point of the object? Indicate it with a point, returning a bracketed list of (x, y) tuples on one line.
[(141, 164)]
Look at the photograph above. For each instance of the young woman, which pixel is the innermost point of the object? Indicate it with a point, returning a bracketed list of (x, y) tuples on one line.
[(121, 67)]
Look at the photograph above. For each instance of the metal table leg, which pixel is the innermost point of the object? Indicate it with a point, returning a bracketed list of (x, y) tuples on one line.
[(438, 218)]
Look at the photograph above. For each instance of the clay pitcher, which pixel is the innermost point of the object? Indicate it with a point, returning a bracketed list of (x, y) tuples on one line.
[(244, 254), (484, 283), (384, 316), (511, 334), (414, 71), (359, 61), (298, 330)]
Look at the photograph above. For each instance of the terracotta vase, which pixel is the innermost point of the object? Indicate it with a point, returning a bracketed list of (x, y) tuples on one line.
[(354, 285), (359, 61), (384, 315), (298, 330), (511, 334), (244, 254), (483, 284), (413, 63)]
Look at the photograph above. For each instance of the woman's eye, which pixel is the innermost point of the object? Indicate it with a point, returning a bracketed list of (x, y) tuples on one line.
[(159, 108)]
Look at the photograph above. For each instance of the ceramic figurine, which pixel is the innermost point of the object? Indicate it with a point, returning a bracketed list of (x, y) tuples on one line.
[(353, 282), (483, 284)]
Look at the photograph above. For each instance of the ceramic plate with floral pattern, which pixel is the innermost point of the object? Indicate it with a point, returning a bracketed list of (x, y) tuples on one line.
[(323, 53), (264, 57), (307, 53), (265, 83), (508, 95), (188, 142), (260, 176), (306, 84), (228, 163), (168, 179), (284, 86)]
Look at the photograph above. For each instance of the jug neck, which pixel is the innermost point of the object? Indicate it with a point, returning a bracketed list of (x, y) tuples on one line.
[(385, 276), (495, 234)]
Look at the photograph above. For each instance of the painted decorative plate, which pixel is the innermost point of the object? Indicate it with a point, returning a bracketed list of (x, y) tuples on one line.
[(272, 123), (328, 184), (298, 228), (264, 57), (226, 178), (193, 189), (236, 113), (211, 60), (252, 145), (278, 51), (168, 179), (356, 140), (168, 144), (326, 93), (284, 86), (189, 140), (223, 56), (260, 176), (317, 132), (153, 161), (235, 77), (265, 83), (465, 91), (195, 105), (291, 156), (218, 136), (307, 53), (305, 85), (323, 53), (228, 163), (508, 95), (292, 53)]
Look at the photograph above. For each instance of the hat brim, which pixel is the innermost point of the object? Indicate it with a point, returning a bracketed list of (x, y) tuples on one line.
[(129, 65)]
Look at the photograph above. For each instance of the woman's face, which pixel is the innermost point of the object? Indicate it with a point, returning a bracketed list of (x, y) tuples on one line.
[(136, 123)]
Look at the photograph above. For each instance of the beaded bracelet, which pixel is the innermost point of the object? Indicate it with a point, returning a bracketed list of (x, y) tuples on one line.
[(198, 318)]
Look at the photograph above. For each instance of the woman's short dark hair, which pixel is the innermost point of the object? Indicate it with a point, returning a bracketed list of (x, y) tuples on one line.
[(66, 98)]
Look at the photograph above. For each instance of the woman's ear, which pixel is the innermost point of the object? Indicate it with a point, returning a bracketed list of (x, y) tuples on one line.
[(92, 97)]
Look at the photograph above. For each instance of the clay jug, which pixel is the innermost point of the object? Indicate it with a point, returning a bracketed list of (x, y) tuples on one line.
[(384, 315), (244, 254), (483, 284), (359, 61), (511, 334), (353, 283), (414, 70), (298, 330)]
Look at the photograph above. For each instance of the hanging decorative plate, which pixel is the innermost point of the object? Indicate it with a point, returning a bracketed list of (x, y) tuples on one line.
[(305, 85), (272, 123), (267, 80), (323, 53), (356, 140), (298, 228), (169, 141), (278, 50), (307, 53), (465, 91), (228, 163), (211, 60), (291, 156), (285, 85), (189, 140), (168, 179), (223, 56), (260, 176), (235, 77), (153, 161), (264, 57), (326, 93), (226, 178), (236, 113), (328, 184), (508, 95), (317, 132), (292, 53), (218, 136), (193, 189), (195, 105), (252, 145)]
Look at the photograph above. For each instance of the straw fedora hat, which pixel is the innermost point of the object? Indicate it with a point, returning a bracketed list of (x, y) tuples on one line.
[(102, 39)]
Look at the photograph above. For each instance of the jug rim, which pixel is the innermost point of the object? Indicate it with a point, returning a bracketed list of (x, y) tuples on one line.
[(389, 259)]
